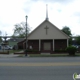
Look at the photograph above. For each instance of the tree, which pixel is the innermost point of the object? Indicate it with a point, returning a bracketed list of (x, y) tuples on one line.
[(77, 39), (20, 30), (0, 32), (71, 50), (0, 37), (67, 30)]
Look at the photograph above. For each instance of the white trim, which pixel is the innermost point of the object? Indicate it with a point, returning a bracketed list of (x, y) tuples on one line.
[(25, 43), (67, 42), (53, 44)]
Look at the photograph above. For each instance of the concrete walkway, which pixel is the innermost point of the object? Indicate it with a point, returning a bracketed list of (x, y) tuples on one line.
[(8, 55)]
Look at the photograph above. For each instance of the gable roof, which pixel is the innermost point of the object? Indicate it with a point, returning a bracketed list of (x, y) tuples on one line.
[(50, 24), (36, 28)]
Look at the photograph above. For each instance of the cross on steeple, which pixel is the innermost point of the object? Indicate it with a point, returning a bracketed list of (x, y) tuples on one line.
[(46, 28)]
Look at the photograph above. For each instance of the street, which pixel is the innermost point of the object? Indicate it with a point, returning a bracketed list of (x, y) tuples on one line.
[(39, 68)]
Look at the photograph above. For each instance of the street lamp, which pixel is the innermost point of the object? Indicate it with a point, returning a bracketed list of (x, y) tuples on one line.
[(26, 36)]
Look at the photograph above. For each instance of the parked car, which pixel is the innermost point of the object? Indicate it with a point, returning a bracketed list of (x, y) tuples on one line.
[(10, 47), (7, 47), (77, 46)]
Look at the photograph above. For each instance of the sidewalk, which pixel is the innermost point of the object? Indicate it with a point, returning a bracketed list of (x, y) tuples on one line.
[(8, 55)]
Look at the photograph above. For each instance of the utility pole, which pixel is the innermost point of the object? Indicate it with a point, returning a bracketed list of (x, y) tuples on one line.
[(26, 36)]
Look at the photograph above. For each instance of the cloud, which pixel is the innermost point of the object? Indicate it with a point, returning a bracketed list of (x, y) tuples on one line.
[(55, 1), (11, 12), (61, 13)]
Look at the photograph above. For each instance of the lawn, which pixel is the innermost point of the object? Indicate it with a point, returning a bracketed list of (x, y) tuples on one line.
[(13, 51), (42, 55), (52, 55)]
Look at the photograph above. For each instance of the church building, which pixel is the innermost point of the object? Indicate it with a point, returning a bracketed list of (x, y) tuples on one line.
[(46, 38)]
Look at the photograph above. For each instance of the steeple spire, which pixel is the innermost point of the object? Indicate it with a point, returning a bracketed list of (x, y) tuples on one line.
[(47, 12)]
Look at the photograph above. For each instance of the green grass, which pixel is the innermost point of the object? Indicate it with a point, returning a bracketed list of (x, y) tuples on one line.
[(43, 55), (77, 54), (13, 51), (52, 55)]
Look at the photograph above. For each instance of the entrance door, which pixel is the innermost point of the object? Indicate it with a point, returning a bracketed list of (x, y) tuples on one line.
[(47, 46)]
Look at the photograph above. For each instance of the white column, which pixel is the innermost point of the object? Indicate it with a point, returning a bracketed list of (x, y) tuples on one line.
[(39, 44), (53, 44), (67, 42)]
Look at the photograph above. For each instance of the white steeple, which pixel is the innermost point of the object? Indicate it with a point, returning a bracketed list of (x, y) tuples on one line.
[(47, 12)]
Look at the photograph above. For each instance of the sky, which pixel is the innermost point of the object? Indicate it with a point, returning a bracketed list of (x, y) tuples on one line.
[(60, 13)]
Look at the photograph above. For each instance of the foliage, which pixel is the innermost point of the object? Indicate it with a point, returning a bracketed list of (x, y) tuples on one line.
[(67, 30), (14, 51), (77, 40), (70, 41), (0, 32), (30, 50), (71, 50), (0, 37), (20, 30), (60, 50)]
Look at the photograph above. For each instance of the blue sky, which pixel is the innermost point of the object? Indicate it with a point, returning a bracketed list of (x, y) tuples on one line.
[(60, 12)]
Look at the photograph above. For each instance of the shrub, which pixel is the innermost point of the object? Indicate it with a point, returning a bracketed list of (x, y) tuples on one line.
[(31, 50), (71, 50), (60, 51)]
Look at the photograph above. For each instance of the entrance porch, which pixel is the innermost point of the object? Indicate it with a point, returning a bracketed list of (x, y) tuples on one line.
[(47, 46)]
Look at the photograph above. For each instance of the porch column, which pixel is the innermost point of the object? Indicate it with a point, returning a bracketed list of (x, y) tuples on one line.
[(67, 42), (53, 44), (23, 45), (39, 44)]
